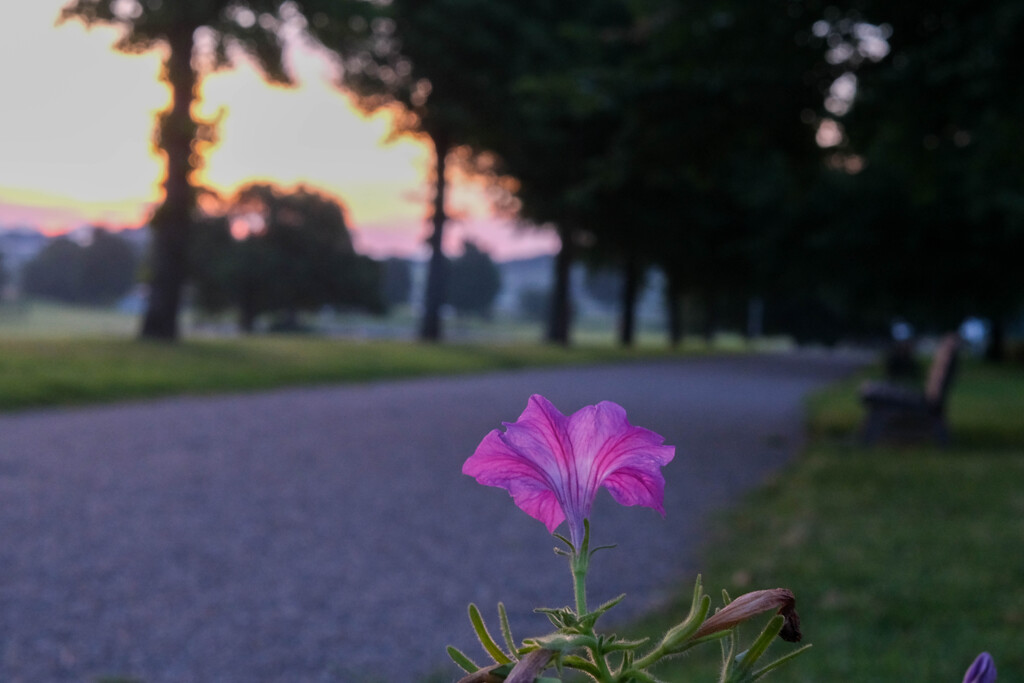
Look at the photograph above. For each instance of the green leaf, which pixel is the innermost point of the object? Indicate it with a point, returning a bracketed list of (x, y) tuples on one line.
[(485, 638), (578, 663), (745, 660), (563, 642), (681, 632), (561, 617), (564, 540), (506, 630), (779, 662), (623, 645), (677, 638), (462, 660), (644, 677), (763, 641), (602, 547), (588, 620)]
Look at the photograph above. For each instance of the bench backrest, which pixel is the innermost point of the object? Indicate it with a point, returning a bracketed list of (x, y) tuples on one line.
[(940, 374)]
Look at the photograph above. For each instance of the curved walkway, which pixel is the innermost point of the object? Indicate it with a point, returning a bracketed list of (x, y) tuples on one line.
[(327, 534)]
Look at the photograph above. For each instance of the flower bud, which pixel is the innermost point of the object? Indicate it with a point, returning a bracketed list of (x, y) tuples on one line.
[(750, 605), (982, 670)]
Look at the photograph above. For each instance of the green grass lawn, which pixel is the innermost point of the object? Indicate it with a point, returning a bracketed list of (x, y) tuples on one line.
[(59, 371), (43, 320), (906, 562), (60, 355)]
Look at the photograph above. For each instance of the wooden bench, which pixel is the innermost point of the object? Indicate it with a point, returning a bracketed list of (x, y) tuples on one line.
[(904, 413)]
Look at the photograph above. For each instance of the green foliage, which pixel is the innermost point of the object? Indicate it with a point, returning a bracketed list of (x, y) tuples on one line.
[(603, 285), (474, 282), (889, 551), (576, 646), (98, 273), (296, 255), (149, 24), (443, 67), (397, 281), (535, 303), (54, 272), (938, 210)]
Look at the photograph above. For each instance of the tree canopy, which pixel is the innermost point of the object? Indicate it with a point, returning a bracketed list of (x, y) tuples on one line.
[(98, 273), (475, 282), (280, 253), (447, 68), (250, 26), (934, 214)]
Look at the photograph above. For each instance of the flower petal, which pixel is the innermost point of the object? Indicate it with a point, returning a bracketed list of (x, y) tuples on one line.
[(626, 460), (529, 460)]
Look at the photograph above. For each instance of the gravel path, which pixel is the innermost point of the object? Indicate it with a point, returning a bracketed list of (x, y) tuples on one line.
[(327, 534)]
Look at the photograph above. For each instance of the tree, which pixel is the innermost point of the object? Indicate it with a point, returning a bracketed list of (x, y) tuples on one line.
[(250, 25), (397, 275), (55, 272), (475, 282), (445, 64), (97, 273), (554, 131), (110, 267), (603, 284), (938, 117), (714, 149), (281, 253)]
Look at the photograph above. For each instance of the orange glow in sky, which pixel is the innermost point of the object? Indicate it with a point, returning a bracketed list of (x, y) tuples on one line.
[(76, 122)]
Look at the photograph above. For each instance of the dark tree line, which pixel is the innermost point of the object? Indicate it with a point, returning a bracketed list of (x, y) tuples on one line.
[(847, 161), (98, 273), (938, 211), (276, 254)]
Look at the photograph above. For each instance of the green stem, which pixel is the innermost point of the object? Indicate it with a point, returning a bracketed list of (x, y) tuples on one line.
[(605, 674), (579, 581)]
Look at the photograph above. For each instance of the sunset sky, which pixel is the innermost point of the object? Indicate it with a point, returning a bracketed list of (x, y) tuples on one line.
[(76, 120)]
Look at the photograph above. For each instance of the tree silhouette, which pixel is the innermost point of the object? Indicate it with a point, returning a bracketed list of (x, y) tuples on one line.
[(249, 25), (711, 148), (397, 285), (54, 273), (98, 273), (475, 282), (280, 253), (448, 67), (939, 118), (559, 116)]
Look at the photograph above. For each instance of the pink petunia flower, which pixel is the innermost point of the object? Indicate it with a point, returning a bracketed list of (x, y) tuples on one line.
[(553, 465)]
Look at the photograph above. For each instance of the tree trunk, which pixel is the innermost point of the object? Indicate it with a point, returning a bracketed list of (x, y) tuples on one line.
[(558, 317), (712, 306), (630, 289), (755, 317), (430, 329), (246, 319), (171, 223), (995, 352), (674, 303)]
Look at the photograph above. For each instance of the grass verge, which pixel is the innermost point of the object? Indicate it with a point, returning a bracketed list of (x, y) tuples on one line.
[(906, 562), (59, 371)]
